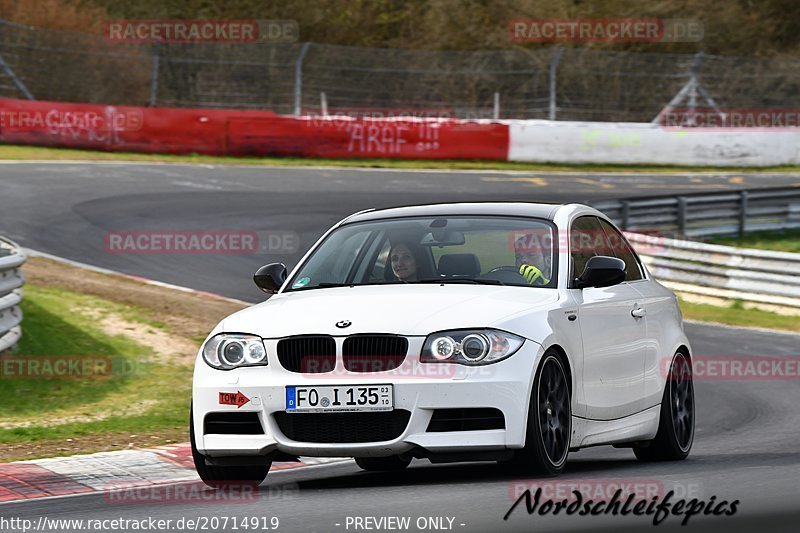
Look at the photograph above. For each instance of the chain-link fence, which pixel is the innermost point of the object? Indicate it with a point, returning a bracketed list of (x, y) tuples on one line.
[(555, 83)]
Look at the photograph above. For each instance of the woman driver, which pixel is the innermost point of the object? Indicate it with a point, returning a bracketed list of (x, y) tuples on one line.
[(404, 263)]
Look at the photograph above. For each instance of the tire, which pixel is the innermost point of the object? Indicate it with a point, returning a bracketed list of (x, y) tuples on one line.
[(377, 464), (547, 437), (224, 476), (676, 419)]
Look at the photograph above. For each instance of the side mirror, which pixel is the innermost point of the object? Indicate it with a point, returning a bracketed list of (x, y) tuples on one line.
[(601, 271), (269, 278)]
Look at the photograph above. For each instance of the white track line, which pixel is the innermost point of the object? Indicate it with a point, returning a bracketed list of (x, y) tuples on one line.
[(741, 328), (177, 482), (622, 171), (100, 270)]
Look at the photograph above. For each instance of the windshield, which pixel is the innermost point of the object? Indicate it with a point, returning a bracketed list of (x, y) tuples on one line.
[(469, 249)]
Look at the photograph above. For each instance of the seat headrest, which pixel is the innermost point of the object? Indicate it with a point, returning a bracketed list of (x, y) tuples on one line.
[(459, 265)]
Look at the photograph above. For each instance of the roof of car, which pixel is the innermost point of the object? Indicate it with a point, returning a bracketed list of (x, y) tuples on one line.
[(521, 209)]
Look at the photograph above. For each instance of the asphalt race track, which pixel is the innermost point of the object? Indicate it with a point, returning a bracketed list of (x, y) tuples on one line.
[(747, 442), (67, 209)]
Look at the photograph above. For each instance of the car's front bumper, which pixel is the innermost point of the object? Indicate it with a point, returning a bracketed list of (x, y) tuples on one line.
[(419, 388)]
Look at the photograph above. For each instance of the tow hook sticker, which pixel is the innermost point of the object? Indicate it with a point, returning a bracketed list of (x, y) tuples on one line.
[(233, 398)]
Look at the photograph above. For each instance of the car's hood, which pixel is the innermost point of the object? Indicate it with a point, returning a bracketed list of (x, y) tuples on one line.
[(400, 309)]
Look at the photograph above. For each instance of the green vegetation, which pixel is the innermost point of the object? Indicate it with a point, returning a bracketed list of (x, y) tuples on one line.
[(783, 241), (740, 28), (10, 152), (736, 315), (141, 392)]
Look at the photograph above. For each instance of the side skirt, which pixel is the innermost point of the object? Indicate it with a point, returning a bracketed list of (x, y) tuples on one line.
[(637, 427)]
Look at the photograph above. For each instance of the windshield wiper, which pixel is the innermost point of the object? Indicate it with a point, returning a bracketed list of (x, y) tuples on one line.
[(472, 281), (476, 281), (323, 285)]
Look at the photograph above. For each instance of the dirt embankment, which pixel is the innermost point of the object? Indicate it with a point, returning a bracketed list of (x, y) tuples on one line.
[(187, 316)]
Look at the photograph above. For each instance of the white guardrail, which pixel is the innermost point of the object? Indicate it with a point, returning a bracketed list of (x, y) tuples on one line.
[(761, 277), (11, 281), (658, 227)]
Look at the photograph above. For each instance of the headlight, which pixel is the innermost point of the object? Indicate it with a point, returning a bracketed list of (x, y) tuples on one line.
[(226, 351), (470, 346)]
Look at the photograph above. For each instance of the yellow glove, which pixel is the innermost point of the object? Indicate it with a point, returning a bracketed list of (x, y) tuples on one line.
[(532, 275)]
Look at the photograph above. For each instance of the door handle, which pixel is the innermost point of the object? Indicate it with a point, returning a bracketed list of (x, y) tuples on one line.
[(638, 312)]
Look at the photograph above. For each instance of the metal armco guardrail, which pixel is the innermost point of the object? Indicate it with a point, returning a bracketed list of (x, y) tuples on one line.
[(709, 214), (757, 276), (760, 277), (11, 281)]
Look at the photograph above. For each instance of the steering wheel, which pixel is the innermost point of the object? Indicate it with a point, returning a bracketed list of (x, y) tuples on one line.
[(506, 274), (504, 268), (511, 275)]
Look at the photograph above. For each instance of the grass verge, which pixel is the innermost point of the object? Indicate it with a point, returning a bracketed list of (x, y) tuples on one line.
[(736, 315), (146, 337), (782, 241), (139, 394), (10, 152)]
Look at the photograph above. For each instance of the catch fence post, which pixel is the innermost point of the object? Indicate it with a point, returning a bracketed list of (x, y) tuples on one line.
[(552, 77), (298, 80), (154, 74)]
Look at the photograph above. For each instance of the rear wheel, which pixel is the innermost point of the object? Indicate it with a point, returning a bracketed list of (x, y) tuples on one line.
[(676, 420), (375, 464), (549, 422), (224, 476)]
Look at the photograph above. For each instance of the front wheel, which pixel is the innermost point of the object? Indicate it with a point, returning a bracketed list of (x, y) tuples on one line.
[(676, 420), (549, 422), (377, 464), (224, 476)]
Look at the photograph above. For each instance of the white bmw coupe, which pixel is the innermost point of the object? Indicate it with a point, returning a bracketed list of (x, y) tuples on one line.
[(511, 332)]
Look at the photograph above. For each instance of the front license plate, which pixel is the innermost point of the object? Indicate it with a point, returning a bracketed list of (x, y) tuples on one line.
[(339, 398)]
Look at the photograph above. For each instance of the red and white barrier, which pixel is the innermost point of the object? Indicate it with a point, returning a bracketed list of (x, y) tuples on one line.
[(264, 133), (631, 143), (256, 133)]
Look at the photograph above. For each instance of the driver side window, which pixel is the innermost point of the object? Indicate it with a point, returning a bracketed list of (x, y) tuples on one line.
[(587, 239), (621, 248)]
